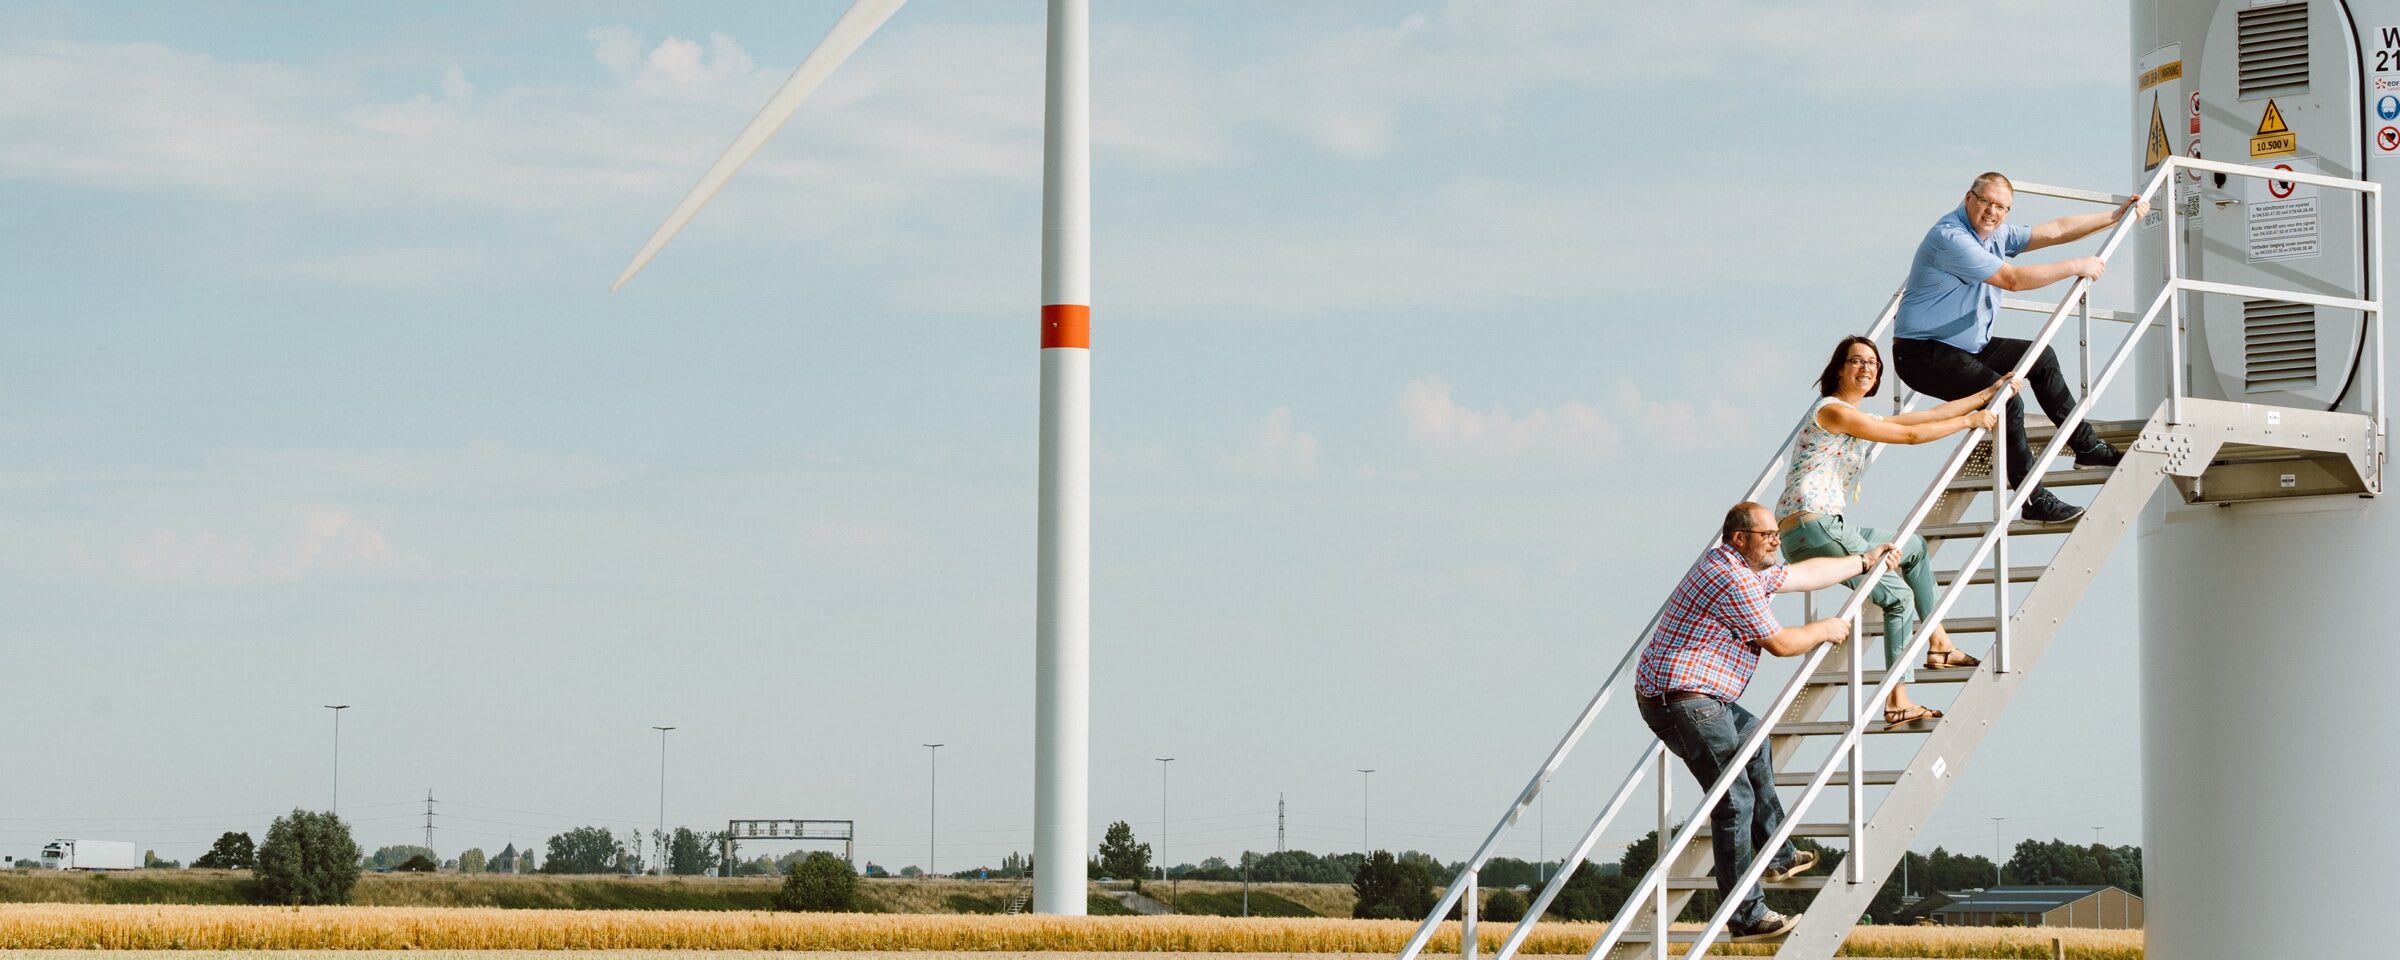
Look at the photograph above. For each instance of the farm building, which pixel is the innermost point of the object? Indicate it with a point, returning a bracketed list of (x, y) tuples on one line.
[(2104, 907)]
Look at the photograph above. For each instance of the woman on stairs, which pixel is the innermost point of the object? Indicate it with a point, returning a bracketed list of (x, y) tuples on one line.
[(1826, 463)]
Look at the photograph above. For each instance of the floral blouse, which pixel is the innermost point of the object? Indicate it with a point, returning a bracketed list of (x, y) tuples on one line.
[(1824, 465)]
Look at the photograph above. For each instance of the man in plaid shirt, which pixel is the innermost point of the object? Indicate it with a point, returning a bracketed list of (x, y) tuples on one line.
[(1695, 668)]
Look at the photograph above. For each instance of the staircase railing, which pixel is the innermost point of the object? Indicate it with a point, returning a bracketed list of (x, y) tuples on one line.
[(1993, 544), (1768, 477)]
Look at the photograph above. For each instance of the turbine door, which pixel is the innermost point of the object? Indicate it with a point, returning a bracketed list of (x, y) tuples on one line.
[(2279, 86)]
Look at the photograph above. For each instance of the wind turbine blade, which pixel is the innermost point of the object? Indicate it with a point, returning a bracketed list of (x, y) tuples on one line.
[(848, 33)]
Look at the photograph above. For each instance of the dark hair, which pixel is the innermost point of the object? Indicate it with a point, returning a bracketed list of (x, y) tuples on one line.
[(1832, 377), (1737, 520)]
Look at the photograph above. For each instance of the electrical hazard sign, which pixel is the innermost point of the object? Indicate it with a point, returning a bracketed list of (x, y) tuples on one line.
[(2275, 138), (2159, 149)]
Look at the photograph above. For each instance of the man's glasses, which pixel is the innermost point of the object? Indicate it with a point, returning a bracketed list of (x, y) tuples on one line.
[(1770, 533), (1986, 201)]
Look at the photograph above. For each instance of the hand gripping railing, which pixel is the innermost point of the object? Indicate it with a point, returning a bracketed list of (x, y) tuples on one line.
[(1849, 748)]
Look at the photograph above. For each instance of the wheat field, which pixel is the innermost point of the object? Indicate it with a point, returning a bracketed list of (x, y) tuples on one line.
[(160, 927)]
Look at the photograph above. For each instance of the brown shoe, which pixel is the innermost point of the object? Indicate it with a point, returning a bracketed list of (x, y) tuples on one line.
[(1768, 927), (1802, 862)]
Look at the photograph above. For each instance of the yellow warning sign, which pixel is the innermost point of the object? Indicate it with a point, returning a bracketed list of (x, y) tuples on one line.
[(2274, 137), (2159, 148), (2158, 138), (2171, 70)]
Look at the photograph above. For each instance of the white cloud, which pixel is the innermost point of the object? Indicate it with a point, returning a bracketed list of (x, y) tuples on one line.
[(1571, 430), (1273, 448), (1439, 423), (317, 541), (455, 85), (482, 469)]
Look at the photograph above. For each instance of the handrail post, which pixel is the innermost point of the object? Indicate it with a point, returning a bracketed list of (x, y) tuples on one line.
[(2083, 344), (2174, 309), (2377, 401), (1658, 896), (1858, 757), (2000, 521), (1466, 927)]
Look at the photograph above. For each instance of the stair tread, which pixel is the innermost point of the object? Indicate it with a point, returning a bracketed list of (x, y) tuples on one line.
[(1874, 778), (1818, 830), (2119, 433), (1710, 883), (2077, 477), (1835, 728), (1972, 529), (1874, 625), (1837, 678), (2016, 574)]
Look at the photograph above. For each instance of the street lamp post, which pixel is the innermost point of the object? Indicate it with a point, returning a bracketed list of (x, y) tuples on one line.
[(662, 798), (1162, 826), (337, 709), (933, 776), (1364, 845), (1996, 849)]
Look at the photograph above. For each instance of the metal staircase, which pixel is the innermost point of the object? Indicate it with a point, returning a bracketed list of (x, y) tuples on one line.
[(2212, 451)]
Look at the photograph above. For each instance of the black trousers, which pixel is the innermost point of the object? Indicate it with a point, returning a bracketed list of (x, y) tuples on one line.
[(1938, 369)]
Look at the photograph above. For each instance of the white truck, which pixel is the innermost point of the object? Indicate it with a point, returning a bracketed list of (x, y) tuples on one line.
[(91, 855)]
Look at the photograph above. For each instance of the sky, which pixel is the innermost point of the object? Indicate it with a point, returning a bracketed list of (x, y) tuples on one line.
[(1431, 339)]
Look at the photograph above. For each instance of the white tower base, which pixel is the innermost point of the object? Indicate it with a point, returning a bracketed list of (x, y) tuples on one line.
[(2268, 753)]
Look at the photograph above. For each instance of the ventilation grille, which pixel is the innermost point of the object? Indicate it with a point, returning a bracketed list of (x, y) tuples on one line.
[(2273, 50), (2279, 346)]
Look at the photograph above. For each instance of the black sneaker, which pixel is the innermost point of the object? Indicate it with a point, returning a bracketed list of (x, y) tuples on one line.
[(2099, 454), (2045, 507), (1768, 927)]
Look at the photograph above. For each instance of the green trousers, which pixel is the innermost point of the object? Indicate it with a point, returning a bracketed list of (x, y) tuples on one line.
[(1904, 595)]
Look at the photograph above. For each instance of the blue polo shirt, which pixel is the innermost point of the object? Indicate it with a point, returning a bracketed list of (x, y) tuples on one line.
[(1946, 298)]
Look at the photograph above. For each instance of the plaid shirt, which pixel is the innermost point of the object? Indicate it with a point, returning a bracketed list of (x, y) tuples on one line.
[(1707, 641)]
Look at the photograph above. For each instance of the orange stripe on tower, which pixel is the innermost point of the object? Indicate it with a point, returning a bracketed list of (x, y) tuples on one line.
[(1066, 325)]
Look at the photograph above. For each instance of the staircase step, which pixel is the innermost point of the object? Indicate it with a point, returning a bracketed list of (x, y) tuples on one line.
[(1835, 728), (2119, 433), (1710, 883), (1837, 678), (1818, 830), (1874, 778), (1673, 936), (2078, 477), (2016, 574), (1952, 624), (1975, 529)]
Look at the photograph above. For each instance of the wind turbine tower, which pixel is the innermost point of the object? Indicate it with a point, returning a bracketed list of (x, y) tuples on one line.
[(2266, 595), (1062, 587)]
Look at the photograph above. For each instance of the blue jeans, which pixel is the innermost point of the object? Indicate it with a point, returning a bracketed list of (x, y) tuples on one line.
[(1705, 732)]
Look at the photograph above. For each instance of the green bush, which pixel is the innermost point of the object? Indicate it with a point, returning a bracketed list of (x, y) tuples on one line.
[(419, 864), (308, 858), (821, 883), (1391, 889), (1504, 906), (1103, 905)]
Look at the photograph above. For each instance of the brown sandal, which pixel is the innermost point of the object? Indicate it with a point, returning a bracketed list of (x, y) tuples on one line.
[(1950, 659), (1902, 718)]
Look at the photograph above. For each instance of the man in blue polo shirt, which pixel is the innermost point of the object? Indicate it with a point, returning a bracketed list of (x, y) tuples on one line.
[(1942, 343)]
